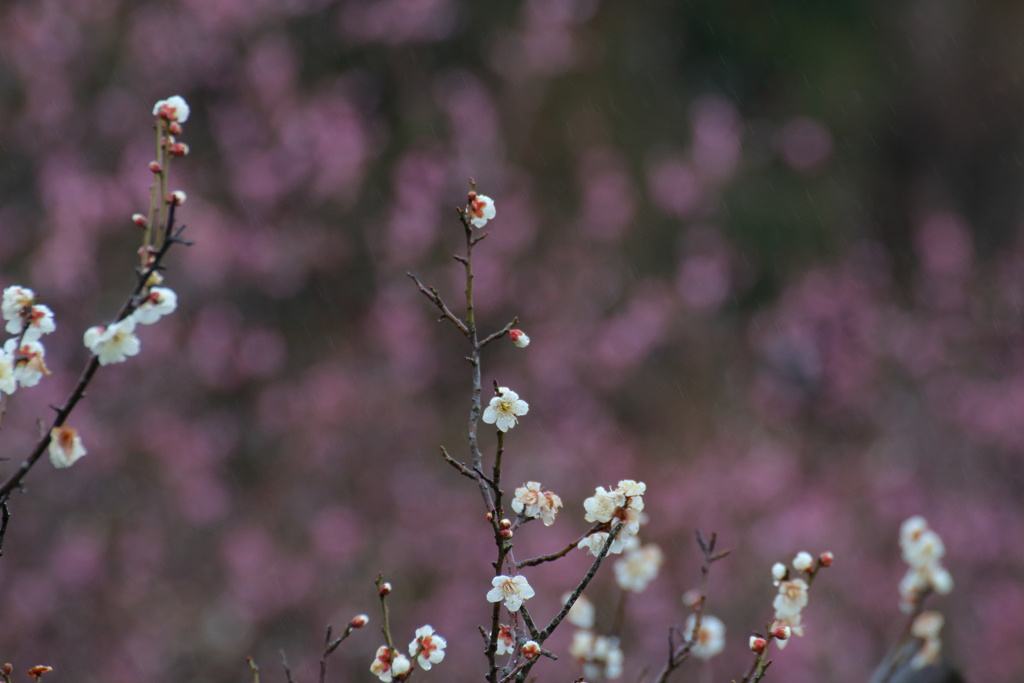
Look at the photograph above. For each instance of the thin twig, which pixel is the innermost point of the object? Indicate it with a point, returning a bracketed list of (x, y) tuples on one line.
[(500, 333), (255, 670), (330, 646), (446, 314), (541, 559), (5, 517), (461, 467), (287, 669)]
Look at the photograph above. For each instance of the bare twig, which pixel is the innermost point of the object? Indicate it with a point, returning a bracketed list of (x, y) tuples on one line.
[(446, 314), (330, 646), (5, 517), (287, 669), (461, 467), (255, 670), (500, 333), (541, 559)]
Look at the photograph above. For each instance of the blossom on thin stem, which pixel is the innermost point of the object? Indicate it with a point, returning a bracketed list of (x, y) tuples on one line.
[(113, 343), (174, 108), (427, 648), (532, 501), (29, 361), (710, 639), (519, 338), (65, 446), (514, 590), (480, 209), (161, 301), (504, 409)]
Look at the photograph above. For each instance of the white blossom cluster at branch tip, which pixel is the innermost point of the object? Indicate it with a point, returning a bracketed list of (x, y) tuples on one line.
[(789, 603), (625, 503), (532, 501), (427, 648), (385, 667), (114, 343), (926, 627), (504, 409), (599, 655), (519, 338), (582, 612), (480, 209), (710, 638), (174, 108), (23, 359), (65, 446), (922, 550), (514, 590), (639, 566)]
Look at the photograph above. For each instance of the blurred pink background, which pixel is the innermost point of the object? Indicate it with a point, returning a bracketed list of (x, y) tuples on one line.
[(769, 256)]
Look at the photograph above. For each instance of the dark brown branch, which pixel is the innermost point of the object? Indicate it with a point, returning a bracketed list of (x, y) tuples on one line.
[(541, 559), (15, 480), (446, 314), (5, 517), (528, 620), (461, 467), (330, 646), (500, 333)]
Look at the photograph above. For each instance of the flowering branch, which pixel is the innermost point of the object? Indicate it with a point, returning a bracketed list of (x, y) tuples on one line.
[(676, 656)]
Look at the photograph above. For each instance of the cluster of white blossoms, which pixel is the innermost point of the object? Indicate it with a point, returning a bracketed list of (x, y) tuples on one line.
[(532, 501), (514, 590), (625, 503), (792, 596), (115, 342), (599, 655), (426, 649), (23, 359), (639, 566), (923, 551), (710, 637), (504, 409), (480, 209), (926, 627)]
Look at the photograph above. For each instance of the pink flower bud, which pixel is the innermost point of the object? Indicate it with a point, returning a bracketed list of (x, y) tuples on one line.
[(178, 149), (531, 650), (781, 632), (385, 589), (505, 524), (359, 621), (175, 128), (177, 197), (155, 167), (490, 516), (757, 644), (139, 220), (506, 534), (519, 338), (826, 559)]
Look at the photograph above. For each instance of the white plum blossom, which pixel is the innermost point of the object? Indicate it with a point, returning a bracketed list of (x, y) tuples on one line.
[(519, 338), (922, 550), (113, 343), (600, 655), (504, 409), (506, 643), (603, 505), (792, 598), (532, 501), (29, 361), (803, 561), (624, 504), (639, 566), (65, 446), (400, 666), (512, 589), (160, 302), (582, 612), (8, 382), (427, 648), (381, 667), (174, 108), (710, 639), (480, 209), (40, 322), (15, 299)]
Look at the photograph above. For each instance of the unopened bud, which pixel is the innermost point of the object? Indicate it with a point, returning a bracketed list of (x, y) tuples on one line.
[(757, 644), (505, 524), (177, 197), (178, 149), (139, 220), (8, 669), (803, 561), (506, 534), (385, 589), (691, 598), (155, 166), (779, 572), (155, 279), (781, 632), (531, 650), (359, 621), (519, 338), (38, 671), (175, 128), (471, 196), (490, 516), (826, 559)]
